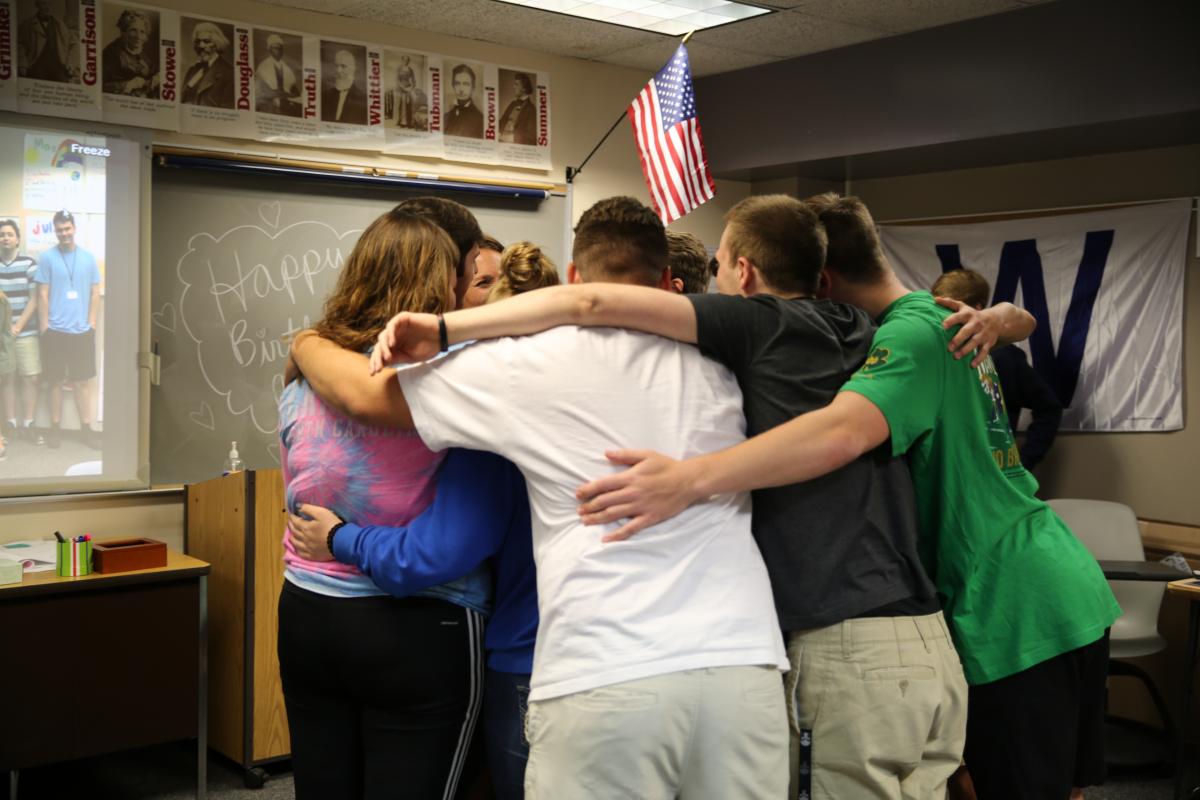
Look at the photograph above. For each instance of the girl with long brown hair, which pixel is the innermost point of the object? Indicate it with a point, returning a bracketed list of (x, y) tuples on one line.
[(382, 692)]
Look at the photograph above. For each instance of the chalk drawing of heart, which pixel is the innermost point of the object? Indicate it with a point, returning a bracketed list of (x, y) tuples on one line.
[(269, 213), (203, 417), (165, 318), (273, 452)]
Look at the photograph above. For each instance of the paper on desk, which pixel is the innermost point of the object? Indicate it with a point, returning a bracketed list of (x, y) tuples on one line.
[(35, 556)]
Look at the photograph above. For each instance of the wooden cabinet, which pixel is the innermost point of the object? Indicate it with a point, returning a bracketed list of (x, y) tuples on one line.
[(236, 524)]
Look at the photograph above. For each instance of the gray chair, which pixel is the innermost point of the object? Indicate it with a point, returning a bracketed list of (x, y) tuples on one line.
[(1110, 532)]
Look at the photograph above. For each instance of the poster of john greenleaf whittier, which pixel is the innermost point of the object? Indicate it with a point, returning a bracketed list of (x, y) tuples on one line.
[(412, 103), (139, 65), (286, 85), (58, 58), (216, 92), (523, 125), (469, 110), (351, 94), (8, 56)]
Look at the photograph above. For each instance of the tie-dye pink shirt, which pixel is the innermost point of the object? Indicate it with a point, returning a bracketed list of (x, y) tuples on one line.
[(372, 476)]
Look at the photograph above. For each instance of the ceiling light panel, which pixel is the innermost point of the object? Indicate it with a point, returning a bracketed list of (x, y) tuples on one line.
[(671, 17)]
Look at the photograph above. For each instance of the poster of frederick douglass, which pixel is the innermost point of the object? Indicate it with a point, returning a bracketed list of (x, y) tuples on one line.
[(351, 94), (216, 91), (8, 56), (139, 65), (286, 85), (523, 125), (58, 58), (412, 103)]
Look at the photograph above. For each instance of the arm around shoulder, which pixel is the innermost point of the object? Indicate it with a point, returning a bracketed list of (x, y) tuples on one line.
[(590, 305), (341, 378)]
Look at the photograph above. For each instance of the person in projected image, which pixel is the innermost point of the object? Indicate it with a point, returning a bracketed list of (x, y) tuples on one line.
[(68, 303), (19, 390)]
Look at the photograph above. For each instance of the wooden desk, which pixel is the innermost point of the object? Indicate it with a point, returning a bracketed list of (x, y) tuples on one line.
[(101, 663), (1189, 589)]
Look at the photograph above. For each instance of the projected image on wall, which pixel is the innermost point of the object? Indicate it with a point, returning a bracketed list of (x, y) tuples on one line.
[(53, 222)]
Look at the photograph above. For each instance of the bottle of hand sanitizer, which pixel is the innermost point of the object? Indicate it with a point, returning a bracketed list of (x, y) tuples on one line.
[(234, 462)]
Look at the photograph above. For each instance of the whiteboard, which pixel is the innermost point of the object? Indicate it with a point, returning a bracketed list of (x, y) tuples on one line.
[(239, 262)]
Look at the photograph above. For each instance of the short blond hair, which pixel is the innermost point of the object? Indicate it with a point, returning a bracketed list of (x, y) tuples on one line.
[(523, 268), (966, 285)]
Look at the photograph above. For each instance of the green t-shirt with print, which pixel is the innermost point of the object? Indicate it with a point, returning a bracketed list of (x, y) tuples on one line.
[(1017, 586)]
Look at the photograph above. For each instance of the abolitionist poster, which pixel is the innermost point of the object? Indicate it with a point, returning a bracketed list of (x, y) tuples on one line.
[(286, 85), (8, 56), (523, 125), (216, 93), (412, 103), (351, 94), (139, 65), (58, 58)]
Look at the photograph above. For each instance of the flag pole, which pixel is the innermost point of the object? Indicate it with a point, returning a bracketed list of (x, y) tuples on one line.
[(573, 171)]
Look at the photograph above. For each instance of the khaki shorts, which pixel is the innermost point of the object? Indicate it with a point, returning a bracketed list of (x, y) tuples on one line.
[(701, 734), (29, 355), (878, 709)]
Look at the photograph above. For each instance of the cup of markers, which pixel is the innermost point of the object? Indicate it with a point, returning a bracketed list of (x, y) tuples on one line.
[(74, 556)]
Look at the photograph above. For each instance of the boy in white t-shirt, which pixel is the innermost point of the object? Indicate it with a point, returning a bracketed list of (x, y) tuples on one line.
[(657, 666)]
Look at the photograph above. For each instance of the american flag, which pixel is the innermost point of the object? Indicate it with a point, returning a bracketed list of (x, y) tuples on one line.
[(668, 138)]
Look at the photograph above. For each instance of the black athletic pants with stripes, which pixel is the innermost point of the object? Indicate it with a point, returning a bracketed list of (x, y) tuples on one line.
[(382, 694)]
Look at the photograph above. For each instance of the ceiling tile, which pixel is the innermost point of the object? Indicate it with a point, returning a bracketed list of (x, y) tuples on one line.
[(811, 26), (705, 58), (786, 34), (901, 16), (510, 25)]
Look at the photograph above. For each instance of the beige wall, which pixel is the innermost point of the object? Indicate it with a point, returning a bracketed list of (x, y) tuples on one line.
[(1158, 474), (158, 517), (586, 98)]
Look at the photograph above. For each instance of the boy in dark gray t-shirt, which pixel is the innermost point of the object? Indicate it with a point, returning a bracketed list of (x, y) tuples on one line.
[(844, 546), (876, 692)]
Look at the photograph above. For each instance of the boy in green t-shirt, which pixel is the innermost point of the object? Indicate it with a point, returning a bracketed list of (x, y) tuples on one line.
[(1028, 606)]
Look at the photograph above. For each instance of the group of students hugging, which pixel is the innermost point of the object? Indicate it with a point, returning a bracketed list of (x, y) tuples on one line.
[(894, 603)]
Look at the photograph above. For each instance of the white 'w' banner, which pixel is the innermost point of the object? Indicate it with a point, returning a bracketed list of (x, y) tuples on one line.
[(1106, 288)]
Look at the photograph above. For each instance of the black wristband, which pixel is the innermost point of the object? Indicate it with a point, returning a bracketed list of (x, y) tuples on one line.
[(332, 531), (443, 337)]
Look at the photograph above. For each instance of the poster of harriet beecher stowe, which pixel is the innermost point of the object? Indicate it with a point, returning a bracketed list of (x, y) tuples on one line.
[(140, 65)]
